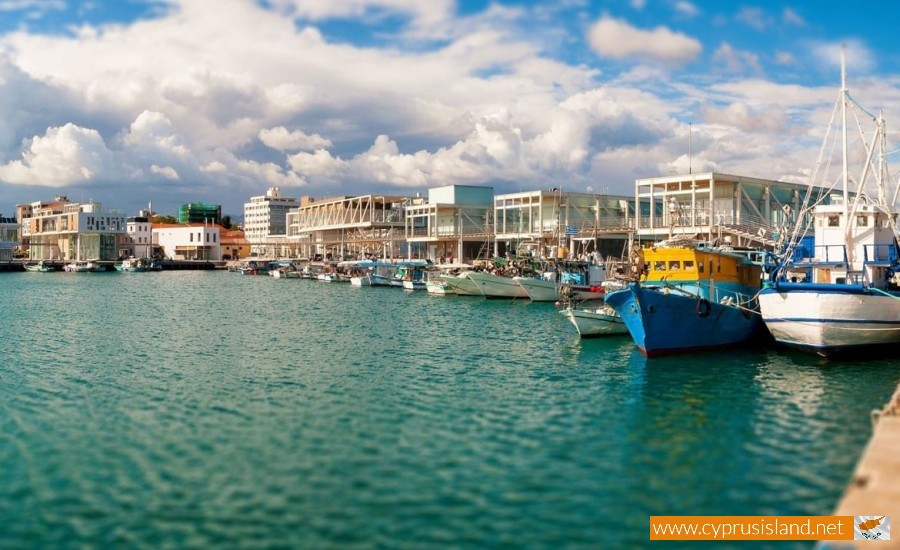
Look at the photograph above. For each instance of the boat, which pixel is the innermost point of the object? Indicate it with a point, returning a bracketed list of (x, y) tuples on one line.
[(134, 265), (838, 290), (497, 286), (40, 267), (435, 280), (575, 281), (78, 267), (461, 285), (600, 321), (689, 295), (414, 284)]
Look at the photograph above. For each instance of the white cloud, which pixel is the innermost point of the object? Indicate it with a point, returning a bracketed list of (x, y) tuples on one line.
[(687, 9), (638, 4), (618, 39), (165, 171), (62, 156), (152, 130), (754, 17), (739, 115), (281, 139), (318, 163), (737, 61), (859, 57)]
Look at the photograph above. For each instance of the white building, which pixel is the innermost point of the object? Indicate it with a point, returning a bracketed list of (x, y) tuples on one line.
[(9, 238), (141, 236), (265, 220), (73, 231), (188, 241)]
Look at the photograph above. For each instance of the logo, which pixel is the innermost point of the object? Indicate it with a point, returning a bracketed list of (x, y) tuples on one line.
[(871, 528)]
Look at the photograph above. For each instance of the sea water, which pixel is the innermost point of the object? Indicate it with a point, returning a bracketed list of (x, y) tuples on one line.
[(209, 409)]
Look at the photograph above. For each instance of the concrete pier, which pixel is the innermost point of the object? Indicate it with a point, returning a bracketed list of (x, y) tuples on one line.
[(875, 486)]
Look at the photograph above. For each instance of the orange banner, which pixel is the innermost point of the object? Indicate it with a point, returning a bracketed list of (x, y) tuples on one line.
[(751, 527)]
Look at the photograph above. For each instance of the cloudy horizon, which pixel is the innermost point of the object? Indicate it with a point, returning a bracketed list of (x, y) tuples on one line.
[(176, 101)]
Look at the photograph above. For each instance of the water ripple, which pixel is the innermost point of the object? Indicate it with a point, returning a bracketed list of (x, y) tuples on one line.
[(208, 409)]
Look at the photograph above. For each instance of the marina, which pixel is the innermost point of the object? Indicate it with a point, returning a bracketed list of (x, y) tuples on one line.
[(199, 419)]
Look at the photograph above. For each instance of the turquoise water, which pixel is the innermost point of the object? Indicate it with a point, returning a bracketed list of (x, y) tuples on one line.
[(208, 409)]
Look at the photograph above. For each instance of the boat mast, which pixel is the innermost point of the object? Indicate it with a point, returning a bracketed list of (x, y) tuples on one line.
[(844, 136)]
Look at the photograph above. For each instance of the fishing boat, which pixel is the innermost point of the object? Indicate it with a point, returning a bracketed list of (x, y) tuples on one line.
[(40, 267), (78, 267), (600, 321), (134, 265), (576, 281), (497, 286), (461, 285), (690, 296), (435, 279), (840, 290)]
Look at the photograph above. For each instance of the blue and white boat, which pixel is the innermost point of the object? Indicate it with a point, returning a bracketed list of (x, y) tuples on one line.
[(843, 292), (690, 296)]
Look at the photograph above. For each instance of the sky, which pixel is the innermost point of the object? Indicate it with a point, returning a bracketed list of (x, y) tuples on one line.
[(173, 101)]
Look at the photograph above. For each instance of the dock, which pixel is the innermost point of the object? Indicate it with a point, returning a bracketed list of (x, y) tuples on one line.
[(875, 485)]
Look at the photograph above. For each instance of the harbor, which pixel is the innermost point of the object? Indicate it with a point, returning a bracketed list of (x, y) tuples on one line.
[(217, 409), (379, 274)]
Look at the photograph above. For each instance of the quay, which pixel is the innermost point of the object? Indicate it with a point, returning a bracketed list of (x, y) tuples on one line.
[(875, 485), (167, 265)]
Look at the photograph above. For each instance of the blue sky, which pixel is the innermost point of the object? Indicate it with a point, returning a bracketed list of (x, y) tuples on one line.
[(196, 100)]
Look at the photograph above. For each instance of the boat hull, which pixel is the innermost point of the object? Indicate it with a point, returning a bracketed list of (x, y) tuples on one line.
[(462, 285), (413, 285), (662, 323), (495, 286), (595, 322), (539, 290), (828, 319)]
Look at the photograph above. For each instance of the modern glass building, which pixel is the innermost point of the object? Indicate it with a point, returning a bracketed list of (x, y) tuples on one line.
[(198, 212)]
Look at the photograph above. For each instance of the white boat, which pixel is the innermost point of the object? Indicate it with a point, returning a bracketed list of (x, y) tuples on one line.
[(462, 285), (439, 287), (361, 280), (496, 286), (436, 281), (40, 267), (601, 321), (134, 265), (540, 289), (78, 267), (841, 291), (414, 284)]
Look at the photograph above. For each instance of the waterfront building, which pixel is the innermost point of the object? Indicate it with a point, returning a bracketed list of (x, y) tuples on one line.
[(9, 237), (199, 212), (348, 227), (265, 221), (560, 224), (234, 244), (749, 211), (195, 241), (140, 244), (65, 230), (455, 222)]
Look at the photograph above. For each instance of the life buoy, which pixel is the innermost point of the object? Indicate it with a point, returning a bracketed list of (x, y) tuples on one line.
[(703, 307)]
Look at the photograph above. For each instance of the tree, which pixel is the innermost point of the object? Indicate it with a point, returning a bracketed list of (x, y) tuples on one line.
[(226, 221)]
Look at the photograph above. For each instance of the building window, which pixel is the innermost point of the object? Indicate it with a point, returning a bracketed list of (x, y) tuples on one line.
[(192, 237), (862, 220), (834, 220)]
